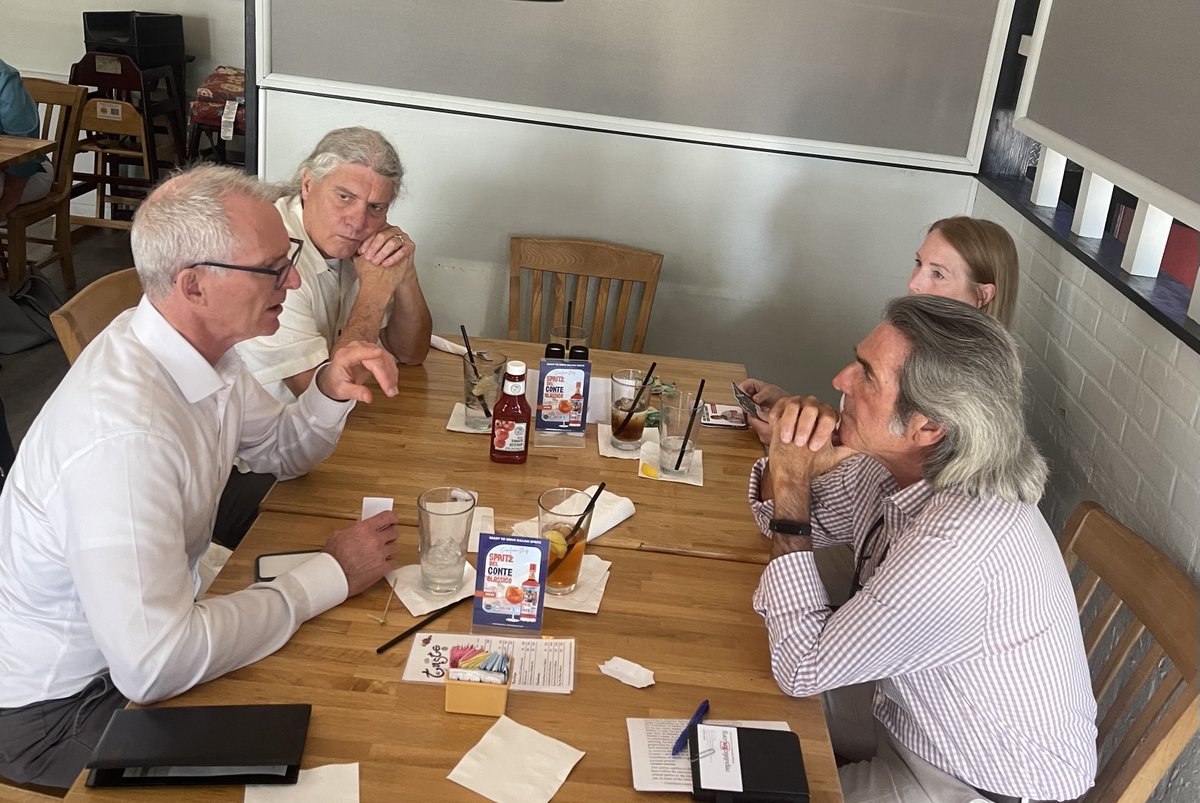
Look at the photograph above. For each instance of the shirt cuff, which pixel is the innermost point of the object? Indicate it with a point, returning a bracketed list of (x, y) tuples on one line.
[(763, 511), (791, 582), (322, 584)]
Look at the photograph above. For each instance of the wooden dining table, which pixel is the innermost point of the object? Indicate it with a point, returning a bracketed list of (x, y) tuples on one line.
[(399, 447), (14, 150), (687, 619)]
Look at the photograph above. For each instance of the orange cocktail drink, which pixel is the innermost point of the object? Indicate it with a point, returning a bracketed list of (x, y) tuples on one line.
[(560, 511)]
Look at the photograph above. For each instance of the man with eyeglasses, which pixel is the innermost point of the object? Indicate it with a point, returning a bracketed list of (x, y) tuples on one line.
[(111, 503), (358, 279), (961, 626)]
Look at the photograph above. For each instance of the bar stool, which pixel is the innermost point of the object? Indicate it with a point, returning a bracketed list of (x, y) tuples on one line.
[(224, 84)]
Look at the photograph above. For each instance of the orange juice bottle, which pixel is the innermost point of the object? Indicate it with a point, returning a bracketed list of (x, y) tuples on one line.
[(511, 417)]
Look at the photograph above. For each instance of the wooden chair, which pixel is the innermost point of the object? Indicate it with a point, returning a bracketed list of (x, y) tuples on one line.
[(59, 105), (1139, 613), (586, 272), (114, 133), (83, 317)]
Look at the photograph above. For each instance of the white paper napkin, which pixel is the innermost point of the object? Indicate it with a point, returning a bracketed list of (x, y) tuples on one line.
[(442, 344), (483, 520), (628, 672), (589, 589), (406, 581), (648, 467), (610, 511), (604, 433), (333, 783), (458, 421), (516, 764), (373, 505)]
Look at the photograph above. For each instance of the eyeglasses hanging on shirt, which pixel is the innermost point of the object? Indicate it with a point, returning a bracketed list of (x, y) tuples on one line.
[(870, 545)]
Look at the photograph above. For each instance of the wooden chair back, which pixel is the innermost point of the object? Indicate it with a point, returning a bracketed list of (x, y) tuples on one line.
[(599, 278), (59, 106), (83, 317), (1139, 613), (114, 133)]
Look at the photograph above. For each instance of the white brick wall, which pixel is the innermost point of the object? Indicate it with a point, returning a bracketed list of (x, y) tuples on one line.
[(1114, 405)]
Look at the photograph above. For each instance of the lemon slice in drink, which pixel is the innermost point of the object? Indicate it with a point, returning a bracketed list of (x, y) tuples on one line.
[(558, 543)]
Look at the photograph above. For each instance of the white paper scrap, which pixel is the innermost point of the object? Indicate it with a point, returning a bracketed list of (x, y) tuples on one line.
[(373, 505), (333, 783), (628, 672)]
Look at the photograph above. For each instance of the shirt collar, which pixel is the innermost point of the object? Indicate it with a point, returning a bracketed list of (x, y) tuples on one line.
[(908, 503), (192, 374), (292, 211)]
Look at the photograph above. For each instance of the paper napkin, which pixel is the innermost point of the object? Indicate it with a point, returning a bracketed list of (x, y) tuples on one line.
[(610, 511), (648, 467), (589, 590), (628, 672), (442, 344), (333, 783), (406, 581), (458, 421), (516, 764), (483, 520)]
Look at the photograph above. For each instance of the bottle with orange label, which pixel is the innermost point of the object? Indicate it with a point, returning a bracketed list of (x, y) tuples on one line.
[(511, 418), (532, 589)]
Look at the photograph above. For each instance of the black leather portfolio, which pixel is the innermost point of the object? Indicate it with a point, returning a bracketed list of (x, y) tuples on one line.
[(201, 745), (769, 763)]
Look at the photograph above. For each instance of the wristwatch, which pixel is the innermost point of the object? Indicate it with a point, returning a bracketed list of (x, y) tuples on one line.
[(786, 527)]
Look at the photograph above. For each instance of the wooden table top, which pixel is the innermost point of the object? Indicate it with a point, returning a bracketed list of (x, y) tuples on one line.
[(400, 447), (687, 619), (14, 150)]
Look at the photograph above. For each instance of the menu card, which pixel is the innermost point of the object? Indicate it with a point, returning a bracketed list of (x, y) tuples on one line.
[(562, 400), (545, 664), (510, 586)]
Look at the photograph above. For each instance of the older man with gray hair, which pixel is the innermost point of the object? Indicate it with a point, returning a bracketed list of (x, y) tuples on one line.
[(357, 277), (961, 619), (112, 499)]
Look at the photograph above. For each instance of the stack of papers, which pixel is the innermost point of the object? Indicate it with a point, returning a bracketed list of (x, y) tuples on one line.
[(545, 665)]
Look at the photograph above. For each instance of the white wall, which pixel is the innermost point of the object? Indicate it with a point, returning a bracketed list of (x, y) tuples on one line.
[(46, 38), (781, 262), (1114, 405)]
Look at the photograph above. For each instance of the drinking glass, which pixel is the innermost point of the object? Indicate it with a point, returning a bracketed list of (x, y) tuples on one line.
[(674, 413), (481, 385), (444, 526), (558, 511), (625, 385)]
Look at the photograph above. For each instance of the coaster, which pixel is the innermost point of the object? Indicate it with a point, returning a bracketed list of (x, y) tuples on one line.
[(604, 433), (648, 467), (458, 421)]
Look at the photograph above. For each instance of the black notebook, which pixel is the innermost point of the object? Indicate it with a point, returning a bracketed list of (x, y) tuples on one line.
[(766, 764), (201, 745)]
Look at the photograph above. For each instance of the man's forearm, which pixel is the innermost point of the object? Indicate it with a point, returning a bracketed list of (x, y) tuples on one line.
[(366, 316), (408, 330)]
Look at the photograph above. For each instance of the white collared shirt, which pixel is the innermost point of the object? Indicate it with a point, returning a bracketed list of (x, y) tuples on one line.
[(110, 506), (313, 316)]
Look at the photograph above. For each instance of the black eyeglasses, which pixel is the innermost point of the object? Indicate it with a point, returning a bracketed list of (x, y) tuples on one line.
[(281, 273), (870, 544)]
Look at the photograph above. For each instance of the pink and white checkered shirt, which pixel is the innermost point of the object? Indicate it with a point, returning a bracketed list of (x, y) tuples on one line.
[(969, 626)]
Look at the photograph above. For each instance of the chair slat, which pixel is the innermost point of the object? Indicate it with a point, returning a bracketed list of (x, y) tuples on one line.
[(1115, 662), (1129, 691), (1099, 625)]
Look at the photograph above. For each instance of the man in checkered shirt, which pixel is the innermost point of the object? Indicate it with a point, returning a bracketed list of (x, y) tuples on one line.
[(961, 625)]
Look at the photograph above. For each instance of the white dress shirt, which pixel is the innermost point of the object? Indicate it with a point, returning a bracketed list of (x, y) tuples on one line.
[(966, 618), (313, 316), (111, 504)]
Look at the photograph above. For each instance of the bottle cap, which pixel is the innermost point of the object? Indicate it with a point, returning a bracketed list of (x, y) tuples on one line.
[(578, 353), (516, 368), (555, 351)]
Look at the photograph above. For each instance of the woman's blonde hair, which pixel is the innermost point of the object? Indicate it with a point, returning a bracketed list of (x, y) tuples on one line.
[(990, 254)]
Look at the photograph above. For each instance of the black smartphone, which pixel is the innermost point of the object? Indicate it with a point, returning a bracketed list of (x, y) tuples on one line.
[(268, 567), (748, 404)]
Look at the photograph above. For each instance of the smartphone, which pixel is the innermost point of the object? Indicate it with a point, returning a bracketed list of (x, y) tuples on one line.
[(748, 404), (268, 567)]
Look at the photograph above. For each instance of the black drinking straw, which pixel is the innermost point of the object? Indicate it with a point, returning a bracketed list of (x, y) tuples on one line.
[(691, 420), (645, 381), (474, 367), (579, 523)]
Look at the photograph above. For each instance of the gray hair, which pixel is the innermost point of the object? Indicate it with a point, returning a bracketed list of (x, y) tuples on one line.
[(184, 221), (964, 373), (356, 146)]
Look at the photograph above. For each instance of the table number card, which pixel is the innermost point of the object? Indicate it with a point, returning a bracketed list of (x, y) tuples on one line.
[(562, 400), (510, 584)]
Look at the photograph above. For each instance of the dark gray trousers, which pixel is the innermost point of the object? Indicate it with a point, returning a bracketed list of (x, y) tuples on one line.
[(48, 743)]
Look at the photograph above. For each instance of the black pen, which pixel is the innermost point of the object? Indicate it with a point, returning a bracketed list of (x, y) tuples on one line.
[(696, 719), (392, 643)]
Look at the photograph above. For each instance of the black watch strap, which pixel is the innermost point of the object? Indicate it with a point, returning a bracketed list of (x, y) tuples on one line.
[(786, 527)]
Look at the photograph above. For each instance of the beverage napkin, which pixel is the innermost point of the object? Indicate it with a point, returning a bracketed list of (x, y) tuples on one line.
[(648, 467), (442, 344), (406, 582), (628, 672), (483, 520), (610, 511), (516, 764), (589, 589), (458, 421)]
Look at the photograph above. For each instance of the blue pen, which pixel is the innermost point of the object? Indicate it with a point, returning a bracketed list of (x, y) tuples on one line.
[(696, 719)]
